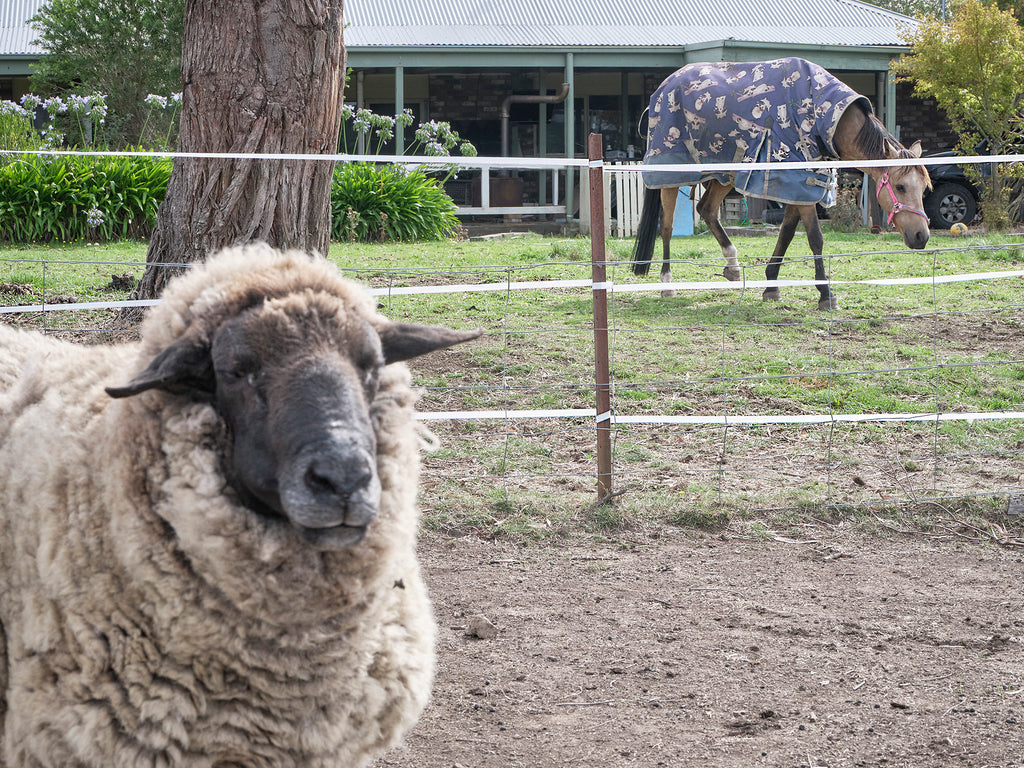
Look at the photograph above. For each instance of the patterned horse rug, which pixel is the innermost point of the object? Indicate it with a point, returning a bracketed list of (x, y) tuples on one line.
[(767, 112)]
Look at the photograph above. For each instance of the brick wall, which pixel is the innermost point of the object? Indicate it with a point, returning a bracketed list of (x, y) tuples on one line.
[(921, 119)]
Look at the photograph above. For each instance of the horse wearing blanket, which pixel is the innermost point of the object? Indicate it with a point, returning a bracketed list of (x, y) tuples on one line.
[(782, 111)]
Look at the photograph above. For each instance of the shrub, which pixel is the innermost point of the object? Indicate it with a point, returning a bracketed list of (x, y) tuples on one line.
[(372, 203), (70, 198)]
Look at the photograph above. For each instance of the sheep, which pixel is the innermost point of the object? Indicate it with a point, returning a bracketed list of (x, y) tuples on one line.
[(207, 537)]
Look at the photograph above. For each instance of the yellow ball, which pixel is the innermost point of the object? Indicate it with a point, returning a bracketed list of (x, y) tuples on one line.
[(958, 229)]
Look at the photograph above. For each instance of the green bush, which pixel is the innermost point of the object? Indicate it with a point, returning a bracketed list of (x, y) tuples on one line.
[(371, 203), (69, 198)]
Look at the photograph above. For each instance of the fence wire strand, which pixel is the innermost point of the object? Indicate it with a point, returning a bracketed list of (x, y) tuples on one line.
[(907, 461)]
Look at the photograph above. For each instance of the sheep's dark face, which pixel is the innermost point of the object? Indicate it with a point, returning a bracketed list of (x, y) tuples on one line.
[(295, 389), (297, 405)]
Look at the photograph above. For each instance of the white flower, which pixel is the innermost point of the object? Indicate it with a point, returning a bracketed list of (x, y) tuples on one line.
[(54, 105)]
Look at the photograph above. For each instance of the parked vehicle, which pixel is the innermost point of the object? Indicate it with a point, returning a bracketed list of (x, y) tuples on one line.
[(954, 197)]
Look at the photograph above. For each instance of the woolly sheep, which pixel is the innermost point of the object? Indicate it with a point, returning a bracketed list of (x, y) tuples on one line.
[(212, 563)]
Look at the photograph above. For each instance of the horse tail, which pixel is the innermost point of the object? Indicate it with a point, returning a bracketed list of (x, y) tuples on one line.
[(647, 232)]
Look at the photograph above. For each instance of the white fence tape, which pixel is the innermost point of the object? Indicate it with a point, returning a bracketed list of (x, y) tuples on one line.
[(81, 305), (723, 420), (527, 162), (532, 285)]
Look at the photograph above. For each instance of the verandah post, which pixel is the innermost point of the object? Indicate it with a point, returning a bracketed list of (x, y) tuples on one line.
[(602, 368)]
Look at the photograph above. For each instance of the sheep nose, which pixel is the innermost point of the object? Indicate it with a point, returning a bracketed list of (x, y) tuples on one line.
[(327, 476), (331, 485)]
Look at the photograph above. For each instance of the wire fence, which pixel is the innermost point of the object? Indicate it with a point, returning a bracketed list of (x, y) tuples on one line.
[(706, 402)]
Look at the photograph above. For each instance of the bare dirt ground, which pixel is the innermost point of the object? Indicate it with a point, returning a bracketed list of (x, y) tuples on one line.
[(718, 651)]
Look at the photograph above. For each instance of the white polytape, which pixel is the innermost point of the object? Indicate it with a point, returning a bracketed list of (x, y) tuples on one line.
[(722, 420), (479, 287), (563, 413), (81, 305), (822, 418), (742, 284), (533, 162), (444, 161), (709, 168), (560, 284)]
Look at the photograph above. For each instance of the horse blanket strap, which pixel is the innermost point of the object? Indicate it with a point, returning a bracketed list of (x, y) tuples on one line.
[(897, 206), (772, 111)]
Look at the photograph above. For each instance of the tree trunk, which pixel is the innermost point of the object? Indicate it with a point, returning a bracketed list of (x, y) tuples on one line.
[(258, 77)]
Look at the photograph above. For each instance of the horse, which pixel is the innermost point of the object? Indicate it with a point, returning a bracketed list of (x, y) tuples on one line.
[(772, 111)]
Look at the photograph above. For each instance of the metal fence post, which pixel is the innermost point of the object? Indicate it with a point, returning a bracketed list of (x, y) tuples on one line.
[(602, 368)]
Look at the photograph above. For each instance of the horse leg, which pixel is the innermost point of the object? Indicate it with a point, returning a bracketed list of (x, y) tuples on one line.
[(786, 232), (809, 215), (668, 213), (708, 207)]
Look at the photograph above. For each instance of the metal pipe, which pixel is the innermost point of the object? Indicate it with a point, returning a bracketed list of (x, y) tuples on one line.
[(550, 98)]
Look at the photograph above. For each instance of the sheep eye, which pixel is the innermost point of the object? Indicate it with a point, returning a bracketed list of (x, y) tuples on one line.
[(247, 373), (369, 369), (370, 378), (368, 363)]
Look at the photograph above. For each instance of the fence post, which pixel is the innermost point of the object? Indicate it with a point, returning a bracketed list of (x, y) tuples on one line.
[(602, 368)]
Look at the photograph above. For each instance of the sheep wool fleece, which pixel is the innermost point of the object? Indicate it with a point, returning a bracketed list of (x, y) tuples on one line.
[(149, 620)]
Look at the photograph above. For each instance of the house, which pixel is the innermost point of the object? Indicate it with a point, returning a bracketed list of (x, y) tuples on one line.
[(495, 69), (458, 60), (533, 79), (17, 47)]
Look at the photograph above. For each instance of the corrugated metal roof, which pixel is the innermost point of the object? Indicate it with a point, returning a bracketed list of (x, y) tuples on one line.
[(572, 23), (616, 23), (16, 35)]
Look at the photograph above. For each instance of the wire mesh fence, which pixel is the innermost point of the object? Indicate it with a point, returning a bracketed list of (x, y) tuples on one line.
[(910, 393)]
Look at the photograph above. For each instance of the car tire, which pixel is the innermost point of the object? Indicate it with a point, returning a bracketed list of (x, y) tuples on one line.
[(949, 204)]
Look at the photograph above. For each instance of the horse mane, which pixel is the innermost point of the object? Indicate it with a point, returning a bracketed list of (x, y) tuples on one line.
[(873, 139)]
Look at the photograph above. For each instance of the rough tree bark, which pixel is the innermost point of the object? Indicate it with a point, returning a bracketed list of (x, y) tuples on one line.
[(258, 77)]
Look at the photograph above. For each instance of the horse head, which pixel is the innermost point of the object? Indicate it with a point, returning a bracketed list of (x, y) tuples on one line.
[(900, 190)]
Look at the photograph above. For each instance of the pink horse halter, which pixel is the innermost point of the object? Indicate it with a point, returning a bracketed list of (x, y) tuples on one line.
[(897, 206)]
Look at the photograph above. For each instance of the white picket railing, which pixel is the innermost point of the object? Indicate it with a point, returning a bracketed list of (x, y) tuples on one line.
[(629, 202)]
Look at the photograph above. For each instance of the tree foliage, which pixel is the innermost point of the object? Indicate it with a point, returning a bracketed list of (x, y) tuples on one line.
[(913, 8), (973, 66), (1016, 7), (940, 9), (125, 49)]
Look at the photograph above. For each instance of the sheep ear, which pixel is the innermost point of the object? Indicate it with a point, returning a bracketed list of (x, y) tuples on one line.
[(183, 368), (403, 341)]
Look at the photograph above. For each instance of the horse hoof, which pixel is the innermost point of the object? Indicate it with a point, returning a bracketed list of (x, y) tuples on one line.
[(771, 294), (732, 273), (667, 294), (830, 303)]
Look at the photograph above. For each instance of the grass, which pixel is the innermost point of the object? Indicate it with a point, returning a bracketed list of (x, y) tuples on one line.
[(898, 348)]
